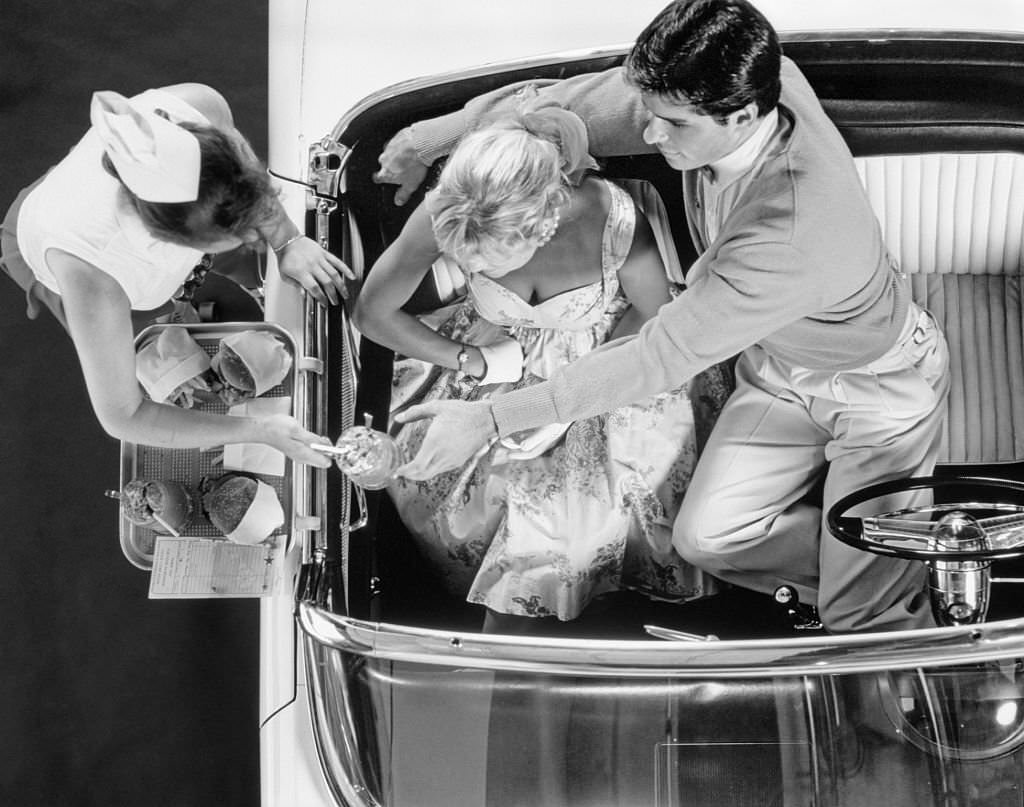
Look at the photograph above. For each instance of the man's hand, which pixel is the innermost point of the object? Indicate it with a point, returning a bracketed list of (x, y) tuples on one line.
[(460, 429), (307, 264), (401, 165)]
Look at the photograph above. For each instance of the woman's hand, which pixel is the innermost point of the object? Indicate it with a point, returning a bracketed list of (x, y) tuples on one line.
[(460, 429), (284, 433), (401, 165), (310, 266)]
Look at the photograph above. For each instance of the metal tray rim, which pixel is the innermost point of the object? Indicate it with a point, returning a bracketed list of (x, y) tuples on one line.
[(129, 533)]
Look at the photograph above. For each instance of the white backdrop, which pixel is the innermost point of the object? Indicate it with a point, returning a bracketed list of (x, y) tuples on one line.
[(356, 47)]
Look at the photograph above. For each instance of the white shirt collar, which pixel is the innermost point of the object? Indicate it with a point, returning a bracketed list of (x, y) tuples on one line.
[(736, 163)]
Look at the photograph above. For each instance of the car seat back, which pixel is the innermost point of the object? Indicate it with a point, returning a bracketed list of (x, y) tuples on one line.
[(955, 224)]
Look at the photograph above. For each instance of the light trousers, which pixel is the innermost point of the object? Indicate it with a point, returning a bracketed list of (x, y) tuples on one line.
[(747, 517)]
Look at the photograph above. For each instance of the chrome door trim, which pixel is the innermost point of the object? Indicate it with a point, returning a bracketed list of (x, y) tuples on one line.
[(818, 655), (874, 36)]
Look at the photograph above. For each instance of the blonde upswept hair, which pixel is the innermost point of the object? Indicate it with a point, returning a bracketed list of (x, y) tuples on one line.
[(504, 183)]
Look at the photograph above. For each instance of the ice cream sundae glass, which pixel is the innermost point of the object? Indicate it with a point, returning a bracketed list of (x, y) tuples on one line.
[(164, 506), (366, 456)]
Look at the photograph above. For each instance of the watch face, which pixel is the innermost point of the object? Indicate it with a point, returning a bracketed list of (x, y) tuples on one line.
[(462, 357)]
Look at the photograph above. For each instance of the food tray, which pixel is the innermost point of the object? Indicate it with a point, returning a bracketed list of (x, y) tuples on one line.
[(190, 465)]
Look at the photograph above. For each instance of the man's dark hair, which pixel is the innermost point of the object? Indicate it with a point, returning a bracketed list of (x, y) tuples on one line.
[(717, 55)]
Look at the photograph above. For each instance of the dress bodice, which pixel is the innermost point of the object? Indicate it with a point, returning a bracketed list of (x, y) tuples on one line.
[(559, 329), (575, 309)]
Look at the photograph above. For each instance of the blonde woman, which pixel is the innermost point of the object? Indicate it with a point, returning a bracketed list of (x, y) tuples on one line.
[(556, 261)]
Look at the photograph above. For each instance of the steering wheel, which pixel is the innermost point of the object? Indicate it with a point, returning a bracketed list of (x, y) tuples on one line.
[(958, 541), (978, 530)]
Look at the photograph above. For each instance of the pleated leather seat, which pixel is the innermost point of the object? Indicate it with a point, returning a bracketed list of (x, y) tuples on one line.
[(955, 224)]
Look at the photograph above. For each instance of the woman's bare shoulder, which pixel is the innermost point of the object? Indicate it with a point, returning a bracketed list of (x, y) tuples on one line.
[(591, 201)]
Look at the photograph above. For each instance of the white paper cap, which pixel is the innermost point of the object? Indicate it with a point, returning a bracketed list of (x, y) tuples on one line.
[(168, 361), (157, 160), (264, 354)]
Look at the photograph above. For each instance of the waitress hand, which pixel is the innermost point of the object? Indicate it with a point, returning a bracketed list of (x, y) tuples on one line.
[(284, 433), (311, 267)]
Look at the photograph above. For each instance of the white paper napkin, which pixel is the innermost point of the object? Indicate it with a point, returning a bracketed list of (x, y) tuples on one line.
[(257, 458)]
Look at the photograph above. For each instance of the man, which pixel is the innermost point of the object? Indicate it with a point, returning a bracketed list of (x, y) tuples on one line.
[(839, 374)]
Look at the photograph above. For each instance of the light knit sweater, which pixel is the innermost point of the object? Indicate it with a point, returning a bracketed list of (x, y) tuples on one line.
[(798, 266)]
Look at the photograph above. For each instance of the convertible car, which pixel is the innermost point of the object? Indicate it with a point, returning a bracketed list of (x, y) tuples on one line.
[(379, 690)]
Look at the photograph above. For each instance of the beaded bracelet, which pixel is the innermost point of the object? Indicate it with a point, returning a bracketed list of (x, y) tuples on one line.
[(288, 243)]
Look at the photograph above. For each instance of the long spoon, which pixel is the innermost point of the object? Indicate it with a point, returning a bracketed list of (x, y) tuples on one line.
[(116, 494)]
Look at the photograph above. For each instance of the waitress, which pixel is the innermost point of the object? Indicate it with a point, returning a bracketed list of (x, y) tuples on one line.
[(157, 182)]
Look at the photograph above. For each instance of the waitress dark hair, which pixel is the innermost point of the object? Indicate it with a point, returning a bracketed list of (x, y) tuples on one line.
[(718, 55), (235, 193)]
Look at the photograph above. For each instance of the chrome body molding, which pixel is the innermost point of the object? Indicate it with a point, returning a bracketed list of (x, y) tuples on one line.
[(331, 142), (819, 655)]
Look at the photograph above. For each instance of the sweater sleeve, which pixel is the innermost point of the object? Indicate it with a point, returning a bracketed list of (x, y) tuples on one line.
[(612, 110), (747, 293)]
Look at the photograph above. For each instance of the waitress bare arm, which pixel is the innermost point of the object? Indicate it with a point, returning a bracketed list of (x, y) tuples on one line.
[(99, 322)]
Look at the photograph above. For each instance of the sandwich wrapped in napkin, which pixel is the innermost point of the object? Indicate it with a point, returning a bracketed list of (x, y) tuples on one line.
[(250, 363), (172, 368), (244, 509)]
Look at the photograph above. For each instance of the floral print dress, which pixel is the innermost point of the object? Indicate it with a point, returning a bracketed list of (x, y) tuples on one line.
[(540, 525)]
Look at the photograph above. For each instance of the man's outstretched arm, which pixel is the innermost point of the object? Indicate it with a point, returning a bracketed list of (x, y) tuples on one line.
[(608, 105)]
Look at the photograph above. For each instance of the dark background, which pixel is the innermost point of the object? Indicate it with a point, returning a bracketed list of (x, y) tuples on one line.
[(106, 698)]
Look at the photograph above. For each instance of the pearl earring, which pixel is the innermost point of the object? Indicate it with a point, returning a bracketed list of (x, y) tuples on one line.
[(549, 228)]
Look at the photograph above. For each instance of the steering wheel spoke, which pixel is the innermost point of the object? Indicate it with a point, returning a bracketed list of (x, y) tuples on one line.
[(898, 533), (969, 530)]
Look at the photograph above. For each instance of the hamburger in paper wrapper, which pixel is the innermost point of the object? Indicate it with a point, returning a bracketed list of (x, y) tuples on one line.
[(172, 367), (250, 363), (244, 509)]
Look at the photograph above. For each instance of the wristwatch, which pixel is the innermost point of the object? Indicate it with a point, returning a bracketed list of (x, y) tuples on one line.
[(462, 357)]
